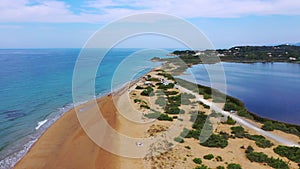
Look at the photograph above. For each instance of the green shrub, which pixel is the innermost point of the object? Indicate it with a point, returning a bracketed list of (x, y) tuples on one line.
[(197, 160), (164, 117), (249, 149), (171, 93), (219, 158), (188, 96), (245, 113), (147, 92), (277, 163), (238, 131), (153, 79), (264, 143), (220, 167), (268, 126), (169, 86), (139, 87), (231, 106), (215, 141), (292, 153), (230, 121), (234, 166), (260, 141), (263, 158), (199, 118), (204, 105), (187, 147), (166, 75), (257, 157), (173, 110), (144, 106), (186, 133), (179, 139), (208, 156), (137, 100), (201, 167)]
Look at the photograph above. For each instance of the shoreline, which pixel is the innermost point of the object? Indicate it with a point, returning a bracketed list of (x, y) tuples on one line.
[(71, 107), (257, 115), (13, 159), (109, 158)]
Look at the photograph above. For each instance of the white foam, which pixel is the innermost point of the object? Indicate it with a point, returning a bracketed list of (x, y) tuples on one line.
[(40, 124)]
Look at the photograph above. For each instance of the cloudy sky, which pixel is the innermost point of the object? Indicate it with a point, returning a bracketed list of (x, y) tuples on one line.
[(69, 23)]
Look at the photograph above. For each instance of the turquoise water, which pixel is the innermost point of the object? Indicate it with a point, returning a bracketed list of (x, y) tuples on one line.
[(270, 90), (36, 89)]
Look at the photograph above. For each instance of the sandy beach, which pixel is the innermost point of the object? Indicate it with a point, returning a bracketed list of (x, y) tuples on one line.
[(65, 145)]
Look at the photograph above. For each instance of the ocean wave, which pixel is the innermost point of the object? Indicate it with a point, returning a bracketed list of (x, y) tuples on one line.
[(40, 123), (14, 153)]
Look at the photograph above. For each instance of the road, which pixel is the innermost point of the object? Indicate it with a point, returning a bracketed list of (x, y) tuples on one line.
[(241, 121)]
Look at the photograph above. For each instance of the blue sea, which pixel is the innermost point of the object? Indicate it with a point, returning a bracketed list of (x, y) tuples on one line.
[(36, 89), (269, 90)]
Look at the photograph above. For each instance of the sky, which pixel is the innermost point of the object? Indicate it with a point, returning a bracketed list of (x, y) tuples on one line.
[(70, 23)]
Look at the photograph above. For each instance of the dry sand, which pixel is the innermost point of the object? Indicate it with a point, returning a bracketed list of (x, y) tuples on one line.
[(65, 145)]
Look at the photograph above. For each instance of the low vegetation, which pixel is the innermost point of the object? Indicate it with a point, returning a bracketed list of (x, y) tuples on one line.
[(147, 92), (215, 141), (144, 106), (197, 160), (234, 166), (260, 141), (179, 139), (219, 158), (261, 157), (208, 156), (201, 167), (166, 75), (270, 126), (230, 121), (238, 131), (159, 116), (292, 153), (165, 87), (139, 87)]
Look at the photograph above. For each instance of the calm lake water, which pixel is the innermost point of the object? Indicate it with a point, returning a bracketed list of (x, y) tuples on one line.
[(270, 90)]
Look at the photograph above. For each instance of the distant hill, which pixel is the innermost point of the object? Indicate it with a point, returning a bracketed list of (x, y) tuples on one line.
[(297, 44), (279, 53)]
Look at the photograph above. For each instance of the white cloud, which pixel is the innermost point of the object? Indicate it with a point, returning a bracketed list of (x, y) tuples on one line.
[(107, 10)]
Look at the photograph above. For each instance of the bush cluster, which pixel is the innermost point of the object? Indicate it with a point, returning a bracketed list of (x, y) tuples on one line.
[(260, 141), (261, 157), (230, 121), (197, 160), (208, 156), (292, 153), (147, 92), (270, 126), (234, 166), (215, 141)]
